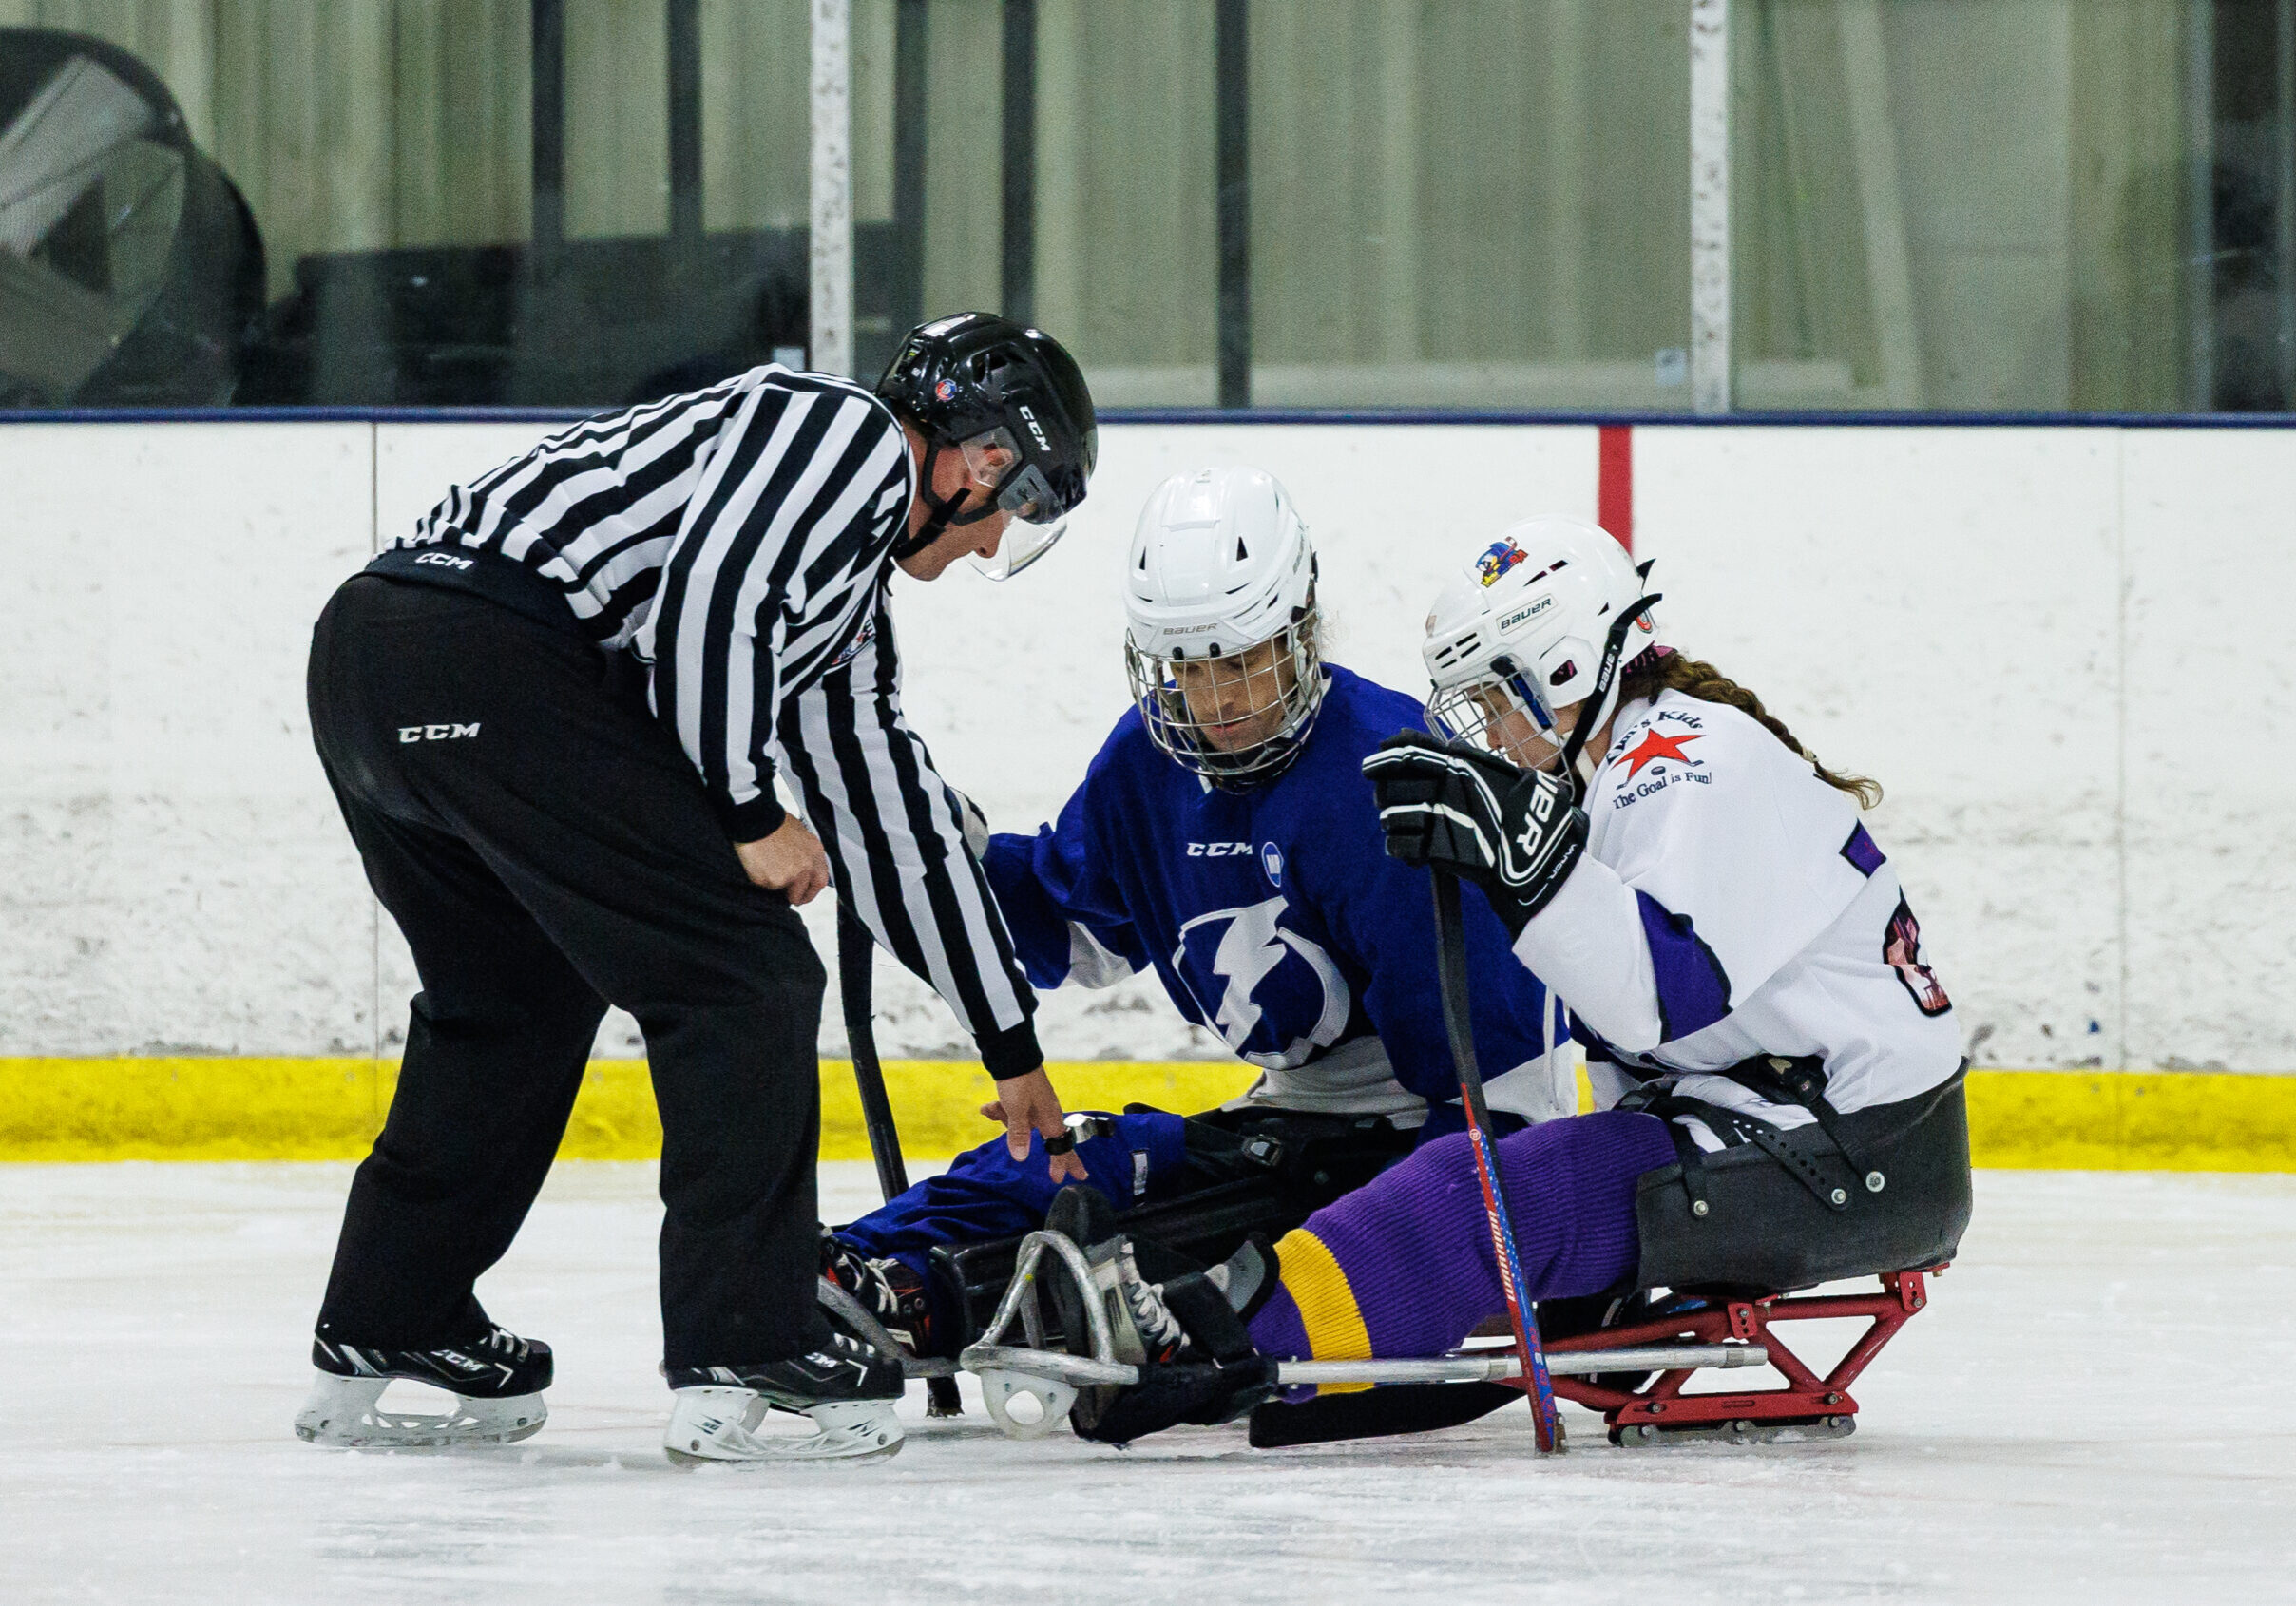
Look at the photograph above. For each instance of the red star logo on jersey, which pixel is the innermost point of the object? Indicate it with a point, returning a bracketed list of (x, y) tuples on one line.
[(1654, 747)]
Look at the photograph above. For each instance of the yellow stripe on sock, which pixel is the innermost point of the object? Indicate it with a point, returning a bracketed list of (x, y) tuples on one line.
[(1327, 1305)]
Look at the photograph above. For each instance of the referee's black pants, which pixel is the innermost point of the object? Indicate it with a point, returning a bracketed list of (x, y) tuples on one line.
[(547, 847)]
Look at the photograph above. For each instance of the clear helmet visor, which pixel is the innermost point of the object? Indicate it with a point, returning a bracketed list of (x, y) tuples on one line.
[(1021, 489), (1503, 713)]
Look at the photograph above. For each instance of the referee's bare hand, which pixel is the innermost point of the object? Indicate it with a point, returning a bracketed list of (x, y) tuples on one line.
[(788, 861), (1027, 1104)]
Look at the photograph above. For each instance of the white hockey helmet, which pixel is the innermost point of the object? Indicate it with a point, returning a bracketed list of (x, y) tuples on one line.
[(1547, 617), (1219, 599)]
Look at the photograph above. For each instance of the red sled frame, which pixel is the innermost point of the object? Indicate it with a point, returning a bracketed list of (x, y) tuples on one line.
[(1659, 1409)]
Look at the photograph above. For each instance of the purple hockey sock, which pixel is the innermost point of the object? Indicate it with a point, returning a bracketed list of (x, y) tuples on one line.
[(1403, 1266)]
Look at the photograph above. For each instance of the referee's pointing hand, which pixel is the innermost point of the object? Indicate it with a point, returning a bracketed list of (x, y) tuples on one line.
[(1027, 1104), (790, 861)]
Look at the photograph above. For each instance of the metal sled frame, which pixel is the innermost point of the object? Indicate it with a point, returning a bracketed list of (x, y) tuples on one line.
[(1659, 1410), (1725, 1333)]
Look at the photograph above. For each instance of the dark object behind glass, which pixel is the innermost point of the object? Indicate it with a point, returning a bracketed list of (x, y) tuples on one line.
[(131, 274)]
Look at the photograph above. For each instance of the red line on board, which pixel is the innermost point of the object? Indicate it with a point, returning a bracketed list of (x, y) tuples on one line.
[(1615, 483)]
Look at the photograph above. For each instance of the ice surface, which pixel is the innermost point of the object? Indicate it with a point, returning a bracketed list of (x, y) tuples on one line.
[(2097, 1408)]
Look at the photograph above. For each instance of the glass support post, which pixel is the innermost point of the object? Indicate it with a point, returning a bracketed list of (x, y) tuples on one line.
[(910, 107), (1709, 375), (1018, 277), (1233, 161), (830, 282), (547, 120), (684, 23), (2284, 219)]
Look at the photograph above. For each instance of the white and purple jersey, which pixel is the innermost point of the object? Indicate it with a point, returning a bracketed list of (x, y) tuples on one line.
[(1730, 905), (1273, 917)]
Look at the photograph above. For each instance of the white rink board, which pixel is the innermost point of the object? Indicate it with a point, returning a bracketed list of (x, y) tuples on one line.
[(2084, 1414), (2056, 647)]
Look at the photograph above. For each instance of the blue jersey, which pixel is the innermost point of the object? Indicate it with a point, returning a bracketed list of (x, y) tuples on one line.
[(1275, 918)]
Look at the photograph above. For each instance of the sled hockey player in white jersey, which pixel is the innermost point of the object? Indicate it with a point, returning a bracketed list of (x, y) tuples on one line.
[(1225, 837), (1780, 1068)]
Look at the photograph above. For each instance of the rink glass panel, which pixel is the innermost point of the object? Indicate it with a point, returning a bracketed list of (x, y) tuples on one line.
[(1986, 206)]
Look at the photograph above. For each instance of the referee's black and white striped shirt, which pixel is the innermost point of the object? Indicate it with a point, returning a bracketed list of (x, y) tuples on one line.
[(737, 540)]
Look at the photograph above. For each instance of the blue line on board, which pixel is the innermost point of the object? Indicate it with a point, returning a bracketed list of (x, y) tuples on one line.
[(1214, 416)]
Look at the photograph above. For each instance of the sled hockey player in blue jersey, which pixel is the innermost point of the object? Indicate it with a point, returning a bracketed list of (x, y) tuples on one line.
[(1225, 837), (1778, 1068)]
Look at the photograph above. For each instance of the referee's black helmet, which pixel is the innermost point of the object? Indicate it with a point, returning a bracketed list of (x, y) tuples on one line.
[(972, 374)]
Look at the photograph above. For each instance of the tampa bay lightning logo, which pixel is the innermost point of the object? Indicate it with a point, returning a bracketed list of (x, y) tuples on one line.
[(1281, 998)]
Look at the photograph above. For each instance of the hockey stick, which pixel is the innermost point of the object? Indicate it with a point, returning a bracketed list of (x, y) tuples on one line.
[(1451, 961), (1377, 1413), (856, 966)]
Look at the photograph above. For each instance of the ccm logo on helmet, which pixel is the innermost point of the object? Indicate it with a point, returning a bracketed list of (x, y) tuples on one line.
[(1029, 417), (437, 733), (1217, 849)]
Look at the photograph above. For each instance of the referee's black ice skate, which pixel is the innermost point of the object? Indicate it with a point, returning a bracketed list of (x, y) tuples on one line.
[(847, 1385), (496, 1378), (1185, 1333)]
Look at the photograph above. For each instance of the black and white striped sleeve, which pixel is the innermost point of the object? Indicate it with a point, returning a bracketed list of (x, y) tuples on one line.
[(778, 558), (896, 847)]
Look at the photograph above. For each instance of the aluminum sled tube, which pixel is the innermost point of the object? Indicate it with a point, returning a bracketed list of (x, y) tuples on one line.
[(1052, 1364), (871, 1330), (1072, 1260), (1500, 1369), (1059, 1366)]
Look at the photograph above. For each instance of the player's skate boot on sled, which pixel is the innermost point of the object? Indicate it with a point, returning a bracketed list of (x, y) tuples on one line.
[(847, 1385), (1184, 1334), (496, 1378), (890, 1292)]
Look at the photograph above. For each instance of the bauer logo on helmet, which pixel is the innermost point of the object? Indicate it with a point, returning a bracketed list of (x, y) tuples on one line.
[(1521, 614)]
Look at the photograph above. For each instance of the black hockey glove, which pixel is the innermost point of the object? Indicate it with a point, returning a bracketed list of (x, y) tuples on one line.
[(1513, 833)]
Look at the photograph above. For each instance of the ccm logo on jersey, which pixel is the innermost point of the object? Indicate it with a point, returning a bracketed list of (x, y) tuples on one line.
[(437, 733), (1217, 849), (444, 559)]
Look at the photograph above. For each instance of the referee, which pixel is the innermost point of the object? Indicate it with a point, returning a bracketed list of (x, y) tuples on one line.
[(553, 716)]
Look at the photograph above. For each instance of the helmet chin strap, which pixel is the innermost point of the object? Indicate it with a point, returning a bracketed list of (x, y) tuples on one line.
[(944, 515), (1577, 767)]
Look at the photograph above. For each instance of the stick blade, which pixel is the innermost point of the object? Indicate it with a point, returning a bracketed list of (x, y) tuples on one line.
[(1377, 1413)]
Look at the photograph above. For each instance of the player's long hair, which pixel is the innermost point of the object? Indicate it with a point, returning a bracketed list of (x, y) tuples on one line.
[(1663, 670)]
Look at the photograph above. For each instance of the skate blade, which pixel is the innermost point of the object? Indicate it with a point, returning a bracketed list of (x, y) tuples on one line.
[(342, 1414), (715, 1427), (1645, 1434), (1050, 1403)]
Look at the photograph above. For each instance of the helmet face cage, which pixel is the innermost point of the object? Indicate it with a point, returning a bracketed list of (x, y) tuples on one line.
[(1502, 711), (1264, 699)]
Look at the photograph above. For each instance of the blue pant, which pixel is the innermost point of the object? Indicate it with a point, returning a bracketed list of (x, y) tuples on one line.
[(986, 1194)]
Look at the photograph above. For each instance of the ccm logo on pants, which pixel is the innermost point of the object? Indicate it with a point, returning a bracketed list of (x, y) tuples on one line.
[(436, 733)]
